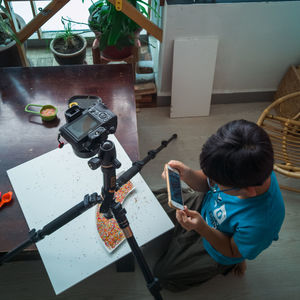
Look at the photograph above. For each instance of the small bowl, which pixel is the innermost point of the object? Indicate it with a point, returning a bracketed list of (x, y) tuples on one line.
[(47, 112)]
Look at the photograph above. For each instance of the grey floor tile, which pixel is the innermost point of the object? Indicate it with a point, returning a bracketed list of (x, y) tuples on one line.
[(273, 275)]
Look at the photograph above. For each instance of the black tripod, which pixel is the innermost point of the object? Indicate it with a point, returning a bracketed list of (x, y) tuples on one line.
[(109, 207)]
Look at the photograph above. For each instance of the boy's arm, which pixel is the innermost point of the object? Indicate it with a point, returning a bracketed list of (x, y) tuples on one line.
[(220, 241), (192, 220), (195, 179)]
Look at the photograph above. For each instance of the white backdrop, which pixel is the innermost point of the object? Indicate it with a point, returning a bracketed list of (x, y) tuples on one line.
[(49, 185)]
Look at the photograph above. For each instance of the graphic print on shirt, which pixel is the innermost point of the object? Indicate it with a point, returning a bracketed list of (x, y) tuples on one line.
[(220, 214), (212, 221), (216, 217)]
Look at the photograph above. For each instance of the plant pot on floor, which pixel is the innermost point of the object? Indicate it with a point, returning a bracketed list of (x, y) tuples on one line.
[(9, 54), (117, 52), (117, 35), (69, 55), (113, 52)]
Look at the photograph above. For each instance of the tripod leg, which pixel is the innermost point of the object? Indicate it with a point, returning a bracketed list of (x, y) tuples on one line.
[(126, 264), (152, 283), (33, 236), (109, 163)]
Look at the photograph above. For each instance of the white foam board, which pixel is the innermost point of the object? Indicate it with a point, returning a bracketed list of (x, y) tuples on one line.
[(49, 185), (194, 61)]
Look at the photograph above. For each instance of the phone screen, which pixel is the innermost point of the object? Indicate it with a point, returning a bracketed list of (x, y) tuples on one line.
[(175, 187)]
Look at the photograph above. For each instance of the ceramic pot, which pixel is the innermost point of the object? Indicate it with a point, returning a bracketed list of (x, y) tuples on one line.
[(9, 55), (75, 58)]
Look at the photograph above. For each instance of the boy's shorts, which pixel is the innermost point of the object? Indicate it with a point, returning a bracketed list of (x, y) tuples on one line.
[(185, 263)]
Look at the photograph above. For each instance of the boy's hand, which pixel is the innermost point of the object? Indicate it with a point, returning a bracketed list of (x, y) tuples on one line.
[(180, 167), (240, 268), (190, 219)]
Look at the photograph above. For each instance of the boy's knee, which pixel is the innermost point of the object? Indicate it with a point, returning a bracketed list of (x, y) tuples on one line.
[(162, 271), (158, 271)]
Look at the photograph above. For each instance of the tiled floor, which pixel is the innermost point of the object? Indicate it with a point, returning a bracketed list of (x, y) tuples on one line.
[(273, 275)]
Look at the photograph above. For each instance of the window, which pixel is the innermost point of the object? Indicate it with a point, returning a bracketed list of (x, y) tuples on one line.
[(75, 10)]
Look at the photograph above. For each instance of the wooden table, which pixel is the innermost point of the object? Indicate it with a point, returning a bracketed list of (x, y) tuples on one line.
[(24, 136)]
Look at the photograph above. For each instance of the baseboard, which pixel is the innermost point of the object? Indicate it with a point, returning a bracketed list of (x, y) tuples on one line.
[(163, 100), (242, 97), (228, 98)]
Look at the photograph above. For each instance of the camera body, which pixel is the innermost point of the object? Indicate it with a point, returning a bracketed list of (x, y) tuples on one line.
[(87, 128)]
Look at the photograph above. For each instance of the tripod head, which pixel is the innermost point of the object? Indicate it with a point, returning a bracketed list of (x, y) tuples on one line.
[(106, 157), (87, 129), (107, 160)]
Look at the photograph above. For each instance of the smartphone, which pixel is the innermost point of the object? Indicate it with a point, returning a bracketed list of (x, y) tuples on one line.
[(175, 199)]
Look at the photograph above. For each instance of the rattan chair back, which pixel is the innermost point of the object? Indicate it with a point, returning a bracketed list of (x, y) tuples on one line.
[(284, 131)]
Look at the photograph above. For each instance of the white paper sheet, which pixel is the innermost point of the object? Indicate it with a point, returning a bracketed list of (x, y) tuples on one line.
[(49, 185)]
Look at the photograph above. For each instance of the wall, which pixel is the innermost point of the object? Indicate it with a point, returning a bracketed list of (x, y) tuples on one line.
[(257, 42)]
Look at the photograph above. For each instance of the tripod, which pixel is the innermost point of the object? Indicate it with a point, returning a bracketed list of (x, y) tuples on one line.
[(109, 207)]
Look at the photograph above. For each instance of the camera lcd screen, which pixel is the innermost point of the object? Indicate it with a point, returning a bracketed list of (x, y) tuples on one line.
[(80, 127), (175, 187)]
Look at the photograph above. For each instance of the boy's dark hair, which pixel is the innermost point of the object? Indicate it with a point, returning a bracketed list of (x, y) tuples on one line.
[(239, 154)]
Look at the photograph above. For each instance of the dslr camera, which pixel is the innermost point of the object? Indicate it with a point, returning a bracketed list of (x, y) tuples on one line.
[(87, 128)]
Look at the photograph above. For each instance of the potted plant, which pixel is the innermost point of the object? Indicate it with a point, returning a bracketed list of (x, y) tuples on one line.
[(117, 33), (9, 55), (68, 47)]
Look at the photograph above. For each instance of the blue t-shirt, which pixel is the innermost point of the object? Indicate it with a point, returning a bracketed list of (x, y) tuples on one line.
[(253, 223)]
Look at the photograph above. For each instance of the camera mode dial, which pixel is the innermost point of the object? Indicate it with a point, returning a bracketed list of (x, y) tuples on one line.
[(99, 115)]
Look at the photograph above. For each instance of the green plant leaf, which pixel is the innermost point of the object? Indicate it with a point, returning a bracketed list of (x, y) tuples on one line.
[(115, 27), (5, 25), (5, 11), (115, 31), (143, 10), (103, 41), (154, 9), (96, 5)]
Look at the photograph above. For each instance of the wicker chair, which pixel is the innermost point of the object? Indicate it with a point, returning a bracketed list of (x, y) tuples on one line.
[(281, 120)]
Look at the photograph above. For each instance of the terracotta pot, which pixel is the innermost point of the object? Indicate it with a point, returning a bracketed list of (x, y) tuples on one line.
[(112, 52)]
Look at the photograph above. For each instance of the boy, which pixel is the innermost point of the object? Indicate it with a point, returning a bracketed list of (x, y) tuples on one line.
[(240, 215)]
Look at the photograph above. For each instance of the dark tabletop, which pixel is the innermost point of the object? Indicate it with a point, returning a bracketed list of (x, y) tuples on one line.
[(23, 136)]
